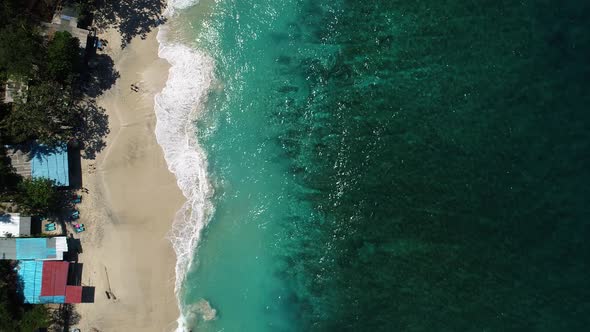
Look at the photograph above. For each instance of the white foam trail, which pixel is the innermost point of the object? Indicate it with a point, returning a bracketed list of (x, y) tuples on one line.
[(176, 107)]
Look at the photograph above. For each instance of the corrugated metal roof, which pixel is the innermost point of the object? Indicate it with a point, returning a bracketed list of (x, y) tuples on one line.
[(51, 163), (45, 282), (52, 299), (14, 224), (73, 294), (61, 246), (55, 277), (33, 248), (25, 226), (7, 248), (31, 275)]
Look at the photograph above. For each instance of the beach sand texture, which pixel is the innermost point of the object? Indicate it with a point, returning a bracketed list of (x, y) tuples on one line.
[(131, 202)]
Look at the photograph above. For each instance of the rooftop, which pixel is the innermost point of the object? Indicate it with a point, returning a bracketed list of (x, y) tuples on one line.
[(40, 161), (50, 163), (66, 20), (47, 282), (46, 248), (12, 89), (13, 224)]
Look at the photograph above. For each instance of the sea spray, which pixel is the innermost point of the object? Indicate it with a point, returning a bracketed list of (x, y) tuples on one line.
[(176, 108)]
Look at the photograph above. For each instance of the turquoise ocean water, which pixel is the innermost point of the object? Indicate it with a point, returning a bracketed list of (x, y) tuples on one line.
[(380, 165)]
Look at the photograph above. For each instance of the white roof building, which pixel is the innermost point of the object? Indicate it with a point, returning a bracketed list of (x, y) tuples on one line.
[(13, 224)]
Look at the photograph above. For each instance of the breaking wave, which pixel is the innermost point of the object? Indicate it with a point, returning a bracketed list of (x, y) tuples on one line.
[(176, 107), (173, 5)]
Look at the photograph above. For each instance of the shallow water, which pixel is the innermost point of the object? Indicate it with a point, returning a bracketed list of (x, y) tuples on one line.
[(386, 165)]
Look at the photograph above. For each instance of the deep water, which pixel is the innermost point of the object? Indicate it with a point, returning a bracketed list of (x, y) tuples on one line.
[(396, 166)]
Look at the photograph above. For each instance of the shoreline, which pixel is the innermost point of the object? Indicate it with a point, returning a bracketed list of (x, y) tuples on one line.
[(131, 202)]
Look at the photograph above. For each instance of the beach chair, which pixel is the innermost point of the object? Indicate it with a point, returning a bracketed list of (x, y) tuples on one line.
[(75, 215), (77, 199)]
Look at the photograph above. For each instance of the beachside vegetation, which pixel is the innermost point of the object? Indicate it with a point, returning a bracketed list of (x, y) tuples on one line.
[(19, 41), (44, 108), (18, 48), (85, 11), (14, 315), (8, 178), (45, 74), (47, 114), (63, 57), (37, 196)]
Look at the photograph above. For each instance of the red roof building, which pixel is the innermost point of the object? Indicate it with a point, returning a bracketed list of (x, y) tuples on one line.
[(47, 282), (73, 294), (55, 278)]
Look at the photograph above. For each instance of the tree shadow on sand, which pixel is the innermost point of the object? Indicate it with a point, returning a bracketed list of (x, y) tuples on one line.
[(130, 17), (93, 129), (101, 75), (64, 317)]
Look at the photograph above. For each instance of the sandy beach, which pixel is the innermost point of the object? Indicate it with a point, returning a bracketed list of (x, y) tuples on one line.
[(130, 202)]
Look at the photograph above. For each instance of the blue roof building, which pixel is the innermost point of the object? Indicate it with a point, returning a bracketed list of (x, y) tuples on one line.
[(50, 163), (31, 273), (47, 282), (26, 248)]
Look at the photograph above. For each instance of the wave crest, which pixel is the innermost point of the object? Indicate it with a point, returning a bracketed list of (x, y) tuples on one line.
[(176, 107), (173, 5)]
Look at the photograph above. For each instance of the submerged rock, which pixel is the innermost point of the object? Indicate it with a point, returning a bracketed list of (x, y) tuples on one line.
[(203, 310)]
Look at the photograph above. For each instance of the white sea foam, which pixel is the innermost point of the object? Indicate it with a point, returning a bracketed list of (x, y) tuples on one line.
[(174, 5), (176, 107)]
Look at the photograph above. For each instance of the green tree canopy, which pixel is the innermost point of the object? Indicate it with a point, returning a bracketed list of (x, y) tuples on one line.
[(11, 11), (63, 56), (46, 114), (19, 45), (14, 316), (8, 178), (37, 196), (34, 318), (8, 297)]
